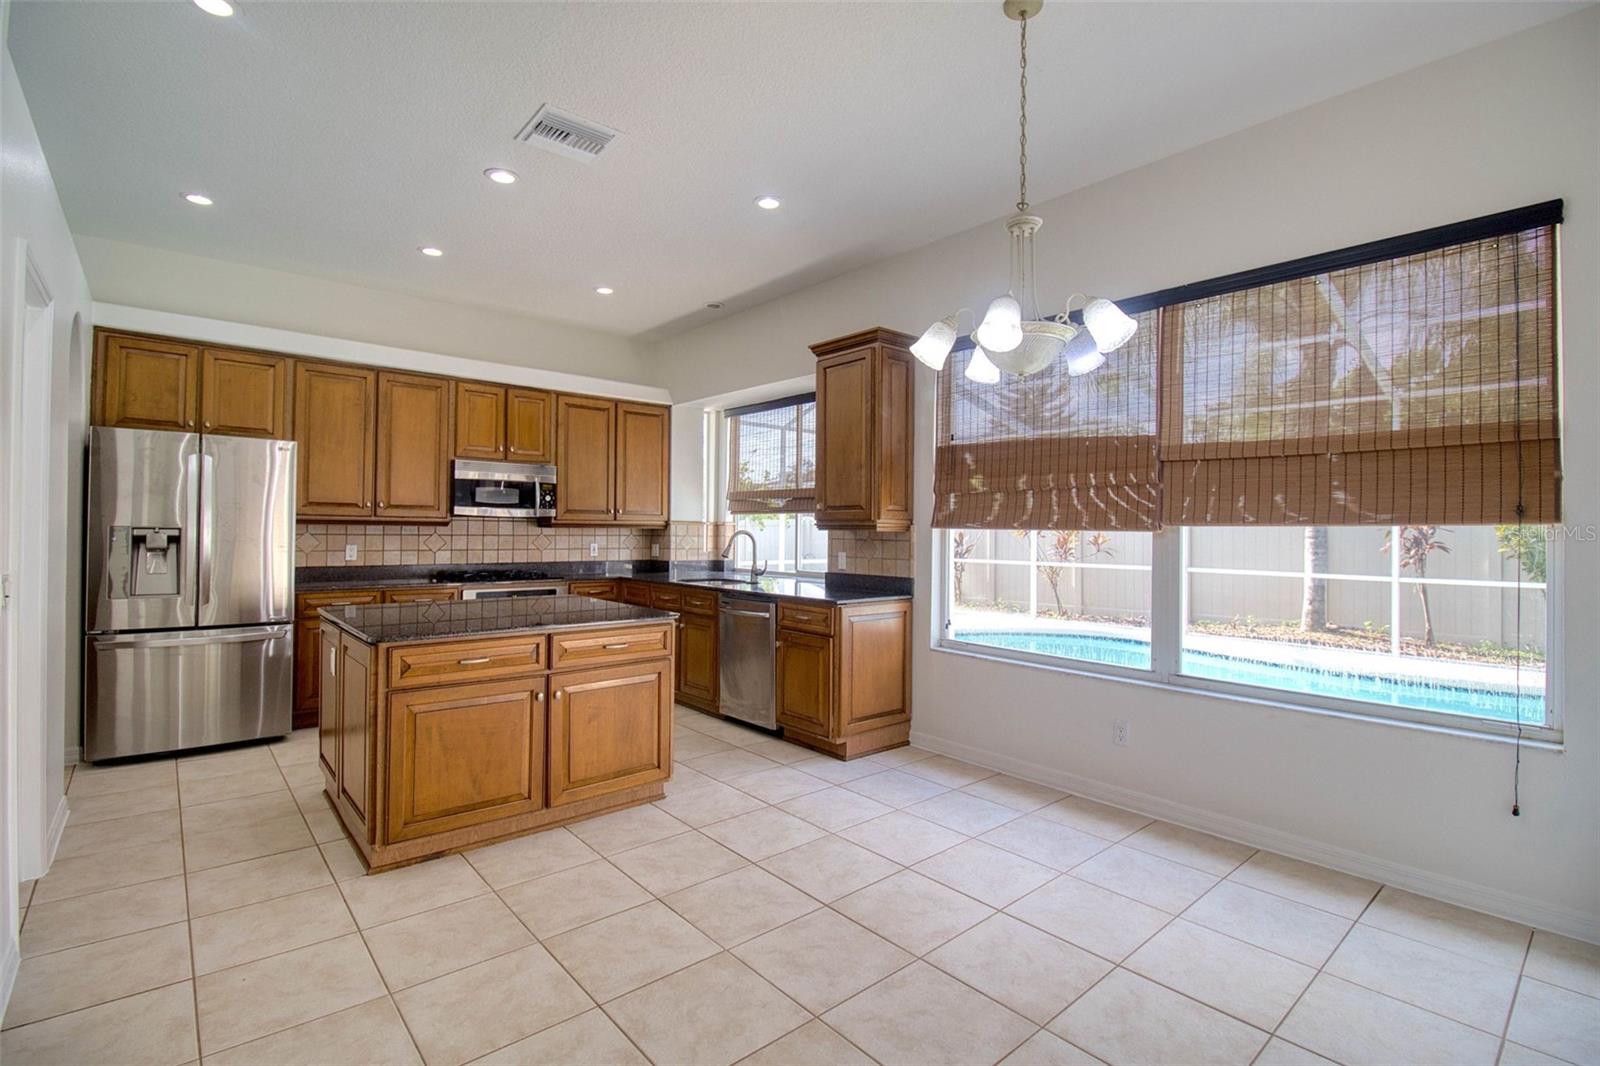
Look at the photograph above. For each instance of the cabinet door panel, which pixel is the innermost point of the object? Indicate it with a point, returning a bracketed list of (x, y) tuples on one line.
[(697, 658), (355, 720), (324, 671), (335, 408), (874, 666), (461, 755), (148, 384), (844, 439), (480, 421), (307, 666), (805, 682), (243, 394), (530, 426), (585, 455), (642, 474), (893, 467), (610, 729), (413, 447)]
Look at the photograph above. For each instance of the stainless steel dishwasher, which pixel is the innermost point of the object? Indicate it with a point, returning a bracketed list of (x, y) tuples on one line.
[(749, 660)]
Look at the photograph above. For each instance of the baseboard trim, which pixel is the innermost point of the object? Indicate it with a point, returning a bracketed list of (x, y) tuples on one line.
[(10, 963), (74, 756), (58, 825), (1514, 907)]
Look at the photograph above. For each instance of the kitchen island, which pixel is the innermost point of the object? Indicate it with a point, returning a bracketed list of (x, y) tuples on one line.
[(445, 726)]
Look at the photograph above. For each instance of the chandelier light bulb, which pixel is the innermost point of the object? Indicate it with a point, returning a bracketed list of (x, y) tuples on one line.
[(1111, 328), (933, 347), (1001, 330), (979, 368), (1083, 354)]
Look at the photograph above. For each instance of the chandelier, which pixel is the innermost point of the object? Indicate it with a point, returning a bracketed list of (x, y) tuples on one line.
[(1014, 337)]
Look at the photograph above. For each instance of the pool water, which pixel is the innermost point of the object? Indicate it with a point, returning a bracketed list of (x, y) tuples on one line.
[(1497, 704)]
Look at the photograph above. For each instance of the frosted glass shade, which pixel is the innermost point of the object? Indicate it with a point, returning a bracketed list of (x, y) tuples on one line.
[(982, 371), (1111, 328), (933, 347), (1083, 354), (1001, 329)]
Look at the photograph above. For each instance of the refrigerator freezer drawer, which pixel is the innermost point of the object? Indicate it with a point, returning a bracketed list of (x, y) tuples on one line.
[(154, 692)]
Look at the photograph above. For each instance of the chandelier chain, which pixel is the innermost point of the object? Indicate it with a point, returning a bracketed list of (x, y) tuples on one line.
[(1022, 125)]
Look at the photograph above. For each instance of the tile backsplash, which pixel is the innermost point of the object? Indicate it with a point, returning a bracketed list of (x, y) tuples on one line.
[(468, 540)]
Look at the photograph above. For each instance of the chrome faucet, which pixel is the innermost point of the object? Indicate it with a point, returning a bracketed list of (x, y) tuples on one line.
[(728, 552)]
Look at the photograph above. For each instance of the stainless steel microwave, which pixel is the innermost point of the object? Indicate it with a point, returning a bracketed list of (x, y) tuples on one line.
[(503, 490)]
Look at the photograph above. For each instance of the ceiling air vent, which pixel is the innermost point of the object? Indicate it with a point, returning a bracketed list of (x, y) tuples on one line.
[(563, 132)]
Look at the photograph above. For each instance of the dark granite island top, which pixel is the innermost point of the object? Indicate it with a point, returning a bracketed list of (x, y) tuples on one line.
[(400, 623)]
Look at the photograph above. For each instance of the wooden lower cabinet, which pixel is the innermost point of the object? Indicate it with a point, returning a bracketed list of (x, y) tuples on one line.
[(610, 728), (805, 683), (308, 637), (697, 661), (844, 683)]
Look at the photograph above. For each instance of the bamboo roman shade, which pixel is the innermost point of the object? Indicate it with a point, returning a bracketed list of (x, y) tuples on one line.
[(1409, 381), (772, 457)]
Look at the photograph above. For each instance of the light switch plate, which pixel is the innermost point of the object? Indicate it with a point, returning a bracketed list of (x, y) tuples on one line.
[(655, 549), (594, 549), (350, 552), (842, 559)]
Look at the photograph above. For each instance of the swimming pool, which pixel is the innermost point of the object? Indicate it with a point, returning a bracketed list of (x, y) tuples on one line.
[(1497, 704)]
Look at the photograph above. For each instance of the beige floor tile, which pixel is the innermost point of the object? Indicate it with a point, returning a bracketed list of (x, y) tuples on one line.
[(90, 781), (1247, 982), (104, 870), (896, 788), (714, 1012), (737, 906), (1190, 847), (903, 837), (837, 771), (1559, 960), (246, 810), (590, 1038), (1057, 846), (1303, 882), (952, 773), (726, 765), (1126, 1018), (778, 784), (102, 915), (426, 945), (154, 1028), (985, 872), (1035, 974), (621, 830), (115, 805), (233, 937), (225, 887), (525, 858), (735, 733), (1280, 1052), (830, 867), (1479, 936), (1351, 1024), (813, 1044), (1099, 819), (1162, 883), (823, 959), (302, 775), (835, 808), (225, 763), (677, 862), (963, 813), (371, 1033), (471, 1012), (762, 834), (1556, 1021), (395, 894), (1291, 929), (780, 751), (223, 847), (618, 954), (139, 830), (686, 746), (897, 756), (343, 859), (912, 911), (250, 1001), (323, 823), (231, 786), (1464, 989), (1014, 792), (921, 1015), (69, 980), (712, 802), (1045, 1048), (560, 901), (684, 780), (1514, 1054), (1089, 916)]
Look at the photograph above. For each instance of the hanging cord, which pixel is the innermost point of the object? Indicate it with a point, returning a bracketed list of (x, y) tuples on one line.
[(1022, 125), (1516, 421)]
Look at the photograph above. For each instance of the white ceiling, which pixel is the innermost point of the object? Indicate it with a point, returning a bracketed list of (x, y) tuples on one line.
[(338, 137)]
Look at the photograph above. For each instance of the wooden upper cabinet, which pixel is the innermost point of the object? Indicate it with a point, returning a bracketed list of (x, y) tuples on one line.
[(864, 431), (146, 383), (642, 473), (530, 426), (413, 472), (244, 394), (480, 421), (335, 423), (586, 459)]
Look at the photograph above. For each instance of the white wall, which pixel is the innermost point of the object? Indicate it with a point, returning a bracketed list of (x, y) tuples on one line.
[(1506, 125), (134, 275)]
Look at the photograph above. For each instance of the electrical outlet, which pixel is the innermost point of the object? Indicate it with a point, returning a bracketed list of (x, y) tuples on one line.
[(655, 551), (1119, 733), (842, 560), (594, 549), (350, 553)]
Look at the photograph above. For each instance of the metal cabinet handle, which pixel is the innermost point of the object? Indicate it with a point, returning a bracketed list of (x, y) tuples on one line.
[(558, 694), (208, 425), (381, 505), (333, 662), (616, 647), (479, 661), (538, 697)]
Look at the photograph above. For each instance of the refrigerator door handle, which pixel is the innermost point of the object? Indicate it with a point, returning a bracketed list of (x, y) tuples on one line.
[(246, 635), (208, 470), (192, 533)]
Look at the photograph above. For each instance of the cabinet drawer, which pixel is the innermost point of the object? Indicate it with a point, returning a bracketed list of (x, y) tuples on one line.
[(608, 646), (810, 619), (601, 590), (636, 593), (699, 602), (485, 660), (431, 594), (666, 598), (308, 603)]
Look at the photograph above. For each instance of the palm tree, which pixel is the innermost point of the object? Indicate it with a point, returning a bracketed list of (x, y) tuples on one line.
[(1416, 544), (1314, 609)]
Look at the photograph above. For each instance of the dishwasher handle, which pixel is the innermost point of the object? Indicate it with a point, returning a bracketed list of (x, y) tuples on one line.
[(747, 614)]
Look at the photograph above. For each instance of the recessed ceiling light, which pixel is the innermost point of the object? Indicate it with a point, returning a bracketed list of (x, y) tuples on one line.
[(220, 8), (430, 250), (198, 198), (768, 203), (500, 175), (605, 290)]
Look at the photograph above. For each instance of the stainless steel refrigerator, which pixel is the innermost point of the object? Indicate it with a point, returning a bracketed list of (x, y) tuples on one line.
[(189, 583)]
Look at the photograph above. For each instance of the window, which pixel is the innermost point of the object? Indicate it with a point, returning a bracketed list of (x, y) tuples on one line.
[(787, 543), (1335, 479), (772, 476)]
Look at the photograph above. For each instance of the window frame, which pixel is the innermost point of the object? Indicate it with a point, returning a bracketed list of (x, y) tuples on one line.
[(1168, 614), (792, 542)]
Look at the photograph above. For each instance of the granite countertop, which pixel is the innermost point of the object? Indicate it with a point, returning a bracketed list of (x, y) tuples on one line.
[(400, 623), (317, 578), (831, 588)]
